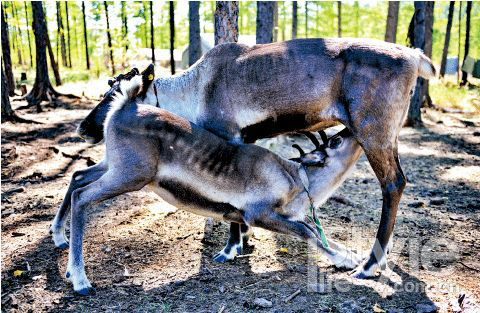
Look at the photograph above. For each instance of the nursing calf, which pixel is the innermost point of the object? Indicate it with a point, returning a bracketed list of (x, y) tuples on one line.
[(200, 172)]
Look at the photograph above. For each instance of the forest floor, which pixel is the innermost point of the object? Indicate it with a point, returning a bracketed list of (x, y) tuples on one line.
[(145, 256)]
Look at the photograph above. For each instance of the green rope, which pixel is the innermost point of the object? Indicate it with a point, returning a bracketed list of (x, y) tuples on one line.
[(313, 217)]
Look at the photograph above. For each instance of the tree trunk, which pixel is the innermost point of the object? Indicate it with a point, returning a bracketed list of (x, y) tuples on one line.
[(451, 10), (392, 21), (7, 59), (7, 112), (459, 39), (28, 34), (226, 22), (42, 89), (306, 19), (172, 36), (109, 38), (339, 7), (53, 64), (124, 24), (61, 34), (294, 19), (195, 45), (87, 59), (68, 36), (152, 37), (265, 21), (467, 42), (418, 41), (429, 16), (19, 46)]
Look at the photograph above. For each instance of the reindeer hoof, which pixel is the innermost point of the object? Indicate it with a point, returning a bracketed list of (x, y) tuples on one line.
[(63, 246), (361, 273), (88, 291)]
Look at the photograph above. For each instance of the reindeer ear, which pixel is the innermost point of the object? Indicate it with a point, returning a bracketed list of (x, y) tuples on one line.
[(147, 78)]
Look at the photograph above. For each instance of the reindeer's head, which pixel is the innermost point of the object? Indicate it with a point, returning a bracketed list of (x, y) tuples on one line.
[(91, 128), (332, 147)]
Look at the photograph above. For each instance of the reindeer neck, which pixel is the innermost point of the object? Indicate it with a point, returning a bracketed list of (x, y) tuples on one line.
[(179, 94)]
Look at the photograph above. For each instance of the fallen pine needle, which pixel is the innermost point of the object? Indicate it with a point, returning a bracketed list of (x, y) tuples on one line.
[(221, 309)]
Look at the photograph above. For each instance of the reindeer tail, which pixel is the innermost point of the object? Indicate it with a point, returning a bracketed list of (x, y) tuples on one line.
[(425, 67)]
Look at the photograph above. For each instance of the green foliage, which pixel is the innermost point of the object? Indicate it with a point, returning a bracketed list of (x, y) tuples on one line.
[(359, 19)]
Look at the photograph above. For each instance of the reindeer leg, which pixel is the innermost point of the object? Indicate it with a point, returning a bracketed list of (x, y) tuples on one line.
[(234, 245), (270, 220), (111, 184), (79, 179), (386, 165)]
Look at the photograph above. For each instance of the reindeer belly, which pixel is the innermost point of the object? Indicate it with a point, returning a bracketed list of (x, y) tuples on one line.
[(189, 192)]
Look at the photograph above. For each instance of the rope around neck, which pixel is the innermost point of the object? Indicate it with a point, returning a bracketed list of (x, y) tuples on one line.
[(313, 218)]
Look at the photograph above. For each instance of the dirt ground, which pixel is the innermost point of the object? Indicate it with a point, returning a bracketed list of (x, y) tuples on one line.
[(144, 256)]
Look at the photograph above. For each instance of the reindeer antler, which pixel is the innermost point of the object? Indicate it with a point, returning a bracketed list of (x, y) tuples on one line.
[(312, 139), (302, 153), (323, 136)]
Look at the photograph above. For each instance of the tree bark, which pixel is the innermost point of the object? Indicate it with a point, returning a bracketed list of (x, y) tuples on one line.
[(152, 37), (467, 43), (61, 34), (87, 58), (194, 46), (392, 21), (124, 24), (265, 21), (7, 112), (226, 22), (109, 38), (68, 36), (7, 59), (339, 7), (451, 10), (418, 41), (42, 89), (172, 36), (294, 19), (28, 34)]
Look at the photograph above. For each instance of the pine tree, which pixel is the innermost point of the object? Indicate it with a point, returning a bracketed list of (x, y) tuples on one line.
[(265, 21), (392, 21), (195, 44), (7, 60), (87, 58)]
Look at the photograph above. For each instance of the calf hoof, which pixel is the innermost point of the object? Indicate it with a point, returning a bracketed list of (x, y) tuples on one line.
[(221, 258), (88, 291)]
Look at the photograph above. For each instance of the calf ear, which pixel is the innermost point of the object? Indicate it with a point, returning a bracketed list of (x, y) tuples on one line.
[(148, 76)]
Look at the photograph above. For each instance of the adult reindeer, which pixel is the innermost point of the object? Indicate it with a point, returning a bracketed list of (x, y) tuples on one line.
[(245, 93)]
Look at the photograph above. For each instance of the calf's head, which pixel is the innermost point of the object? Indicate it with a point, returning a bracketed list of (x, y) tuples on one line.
[(91, 128)]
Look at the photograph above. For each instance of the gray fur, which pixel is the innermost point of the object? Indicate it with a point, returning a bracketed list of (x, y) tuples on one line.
[(198, 171), (244, 93)]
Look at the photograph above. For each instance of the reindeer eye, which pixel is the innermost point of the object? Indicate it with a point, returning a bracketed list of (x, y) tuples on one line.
[(335, 143)]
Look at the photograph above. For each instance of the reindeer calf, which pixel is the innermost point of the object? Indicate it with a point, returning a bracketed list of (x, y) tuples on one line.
[(198, 171)]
